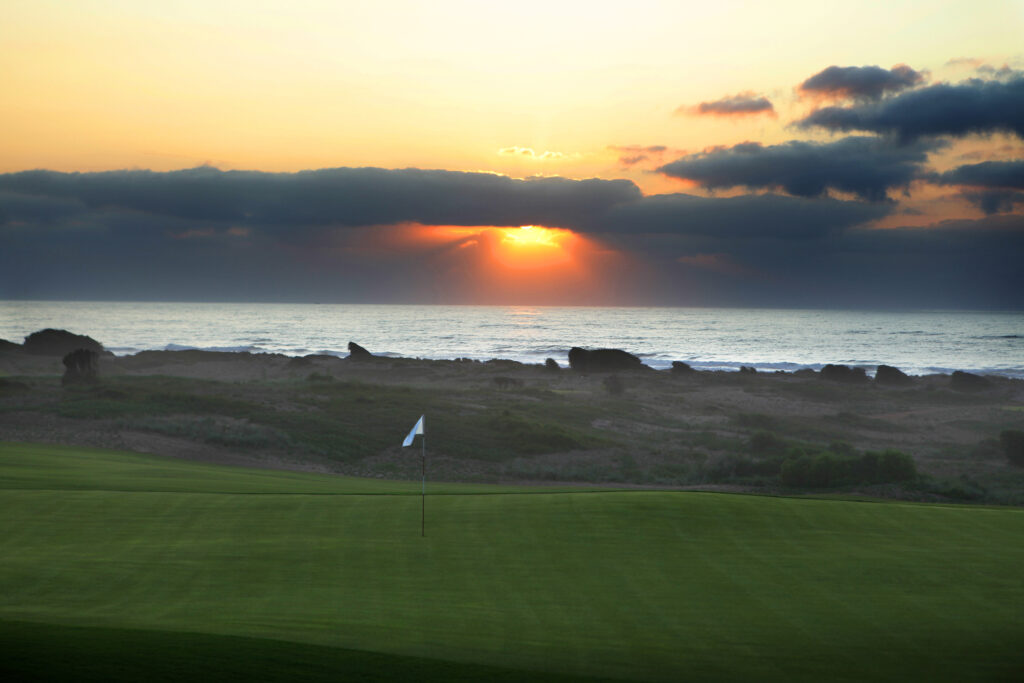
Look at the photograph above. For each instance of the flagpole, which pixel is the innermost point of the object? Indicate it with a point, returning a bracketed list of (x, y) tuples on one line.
[(423, 490)]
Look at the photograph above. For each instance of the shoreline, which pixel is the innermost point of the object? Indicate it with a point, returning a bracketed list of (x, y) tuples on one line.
[(11, 354), (920, 343)]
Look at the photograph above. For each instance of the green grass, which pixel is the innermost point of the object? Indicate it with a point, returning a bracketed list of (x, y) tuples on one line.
[(269, 575)]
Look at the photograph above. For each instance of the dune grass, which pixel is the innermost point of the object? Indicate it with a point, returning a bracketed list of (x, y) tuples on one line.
[(272, 572)]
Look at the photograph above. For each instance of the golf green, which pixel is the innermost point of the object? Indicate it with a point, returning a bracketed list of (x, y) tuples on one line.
[(623, 584)]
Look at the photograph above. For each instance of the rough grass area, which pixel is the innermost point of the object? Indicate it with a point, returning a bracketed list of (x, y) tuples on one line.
[(342, 420), (330, 415), (639, 585)]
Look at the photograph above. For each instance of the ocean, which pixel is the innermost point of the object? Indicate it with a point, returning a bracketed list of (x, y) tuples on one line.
[(919, 343)]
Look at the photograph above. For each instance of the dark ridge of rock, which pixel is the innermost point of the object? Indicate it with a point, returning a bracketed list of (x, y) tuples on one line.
[(747, 370), (503, 363), (890, 376), (681, 368), (603, 360), (10, 347), (82, 367), (300, 362), (965, 381), (804, 372), (50, 342), (844, 374), (357, 352), (551, 364)]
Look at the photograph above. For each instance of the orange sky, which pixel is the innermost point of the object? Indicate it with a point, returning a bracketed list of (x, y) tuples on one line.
[(536, 88), (294, 85)]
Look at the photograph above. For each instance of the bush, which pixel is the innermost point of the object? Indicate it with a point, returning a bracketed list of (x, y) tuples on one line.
[(827, 469), (1012, 441), (895, 466)]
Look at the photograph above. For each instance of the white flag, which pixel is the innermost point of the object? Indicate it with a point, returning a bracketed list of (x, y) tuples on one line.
[(418, 429)]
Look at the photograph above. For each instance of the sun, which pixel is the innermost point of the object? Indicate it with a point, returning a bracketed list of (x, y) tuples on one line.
[(530, 235), (533, 246)]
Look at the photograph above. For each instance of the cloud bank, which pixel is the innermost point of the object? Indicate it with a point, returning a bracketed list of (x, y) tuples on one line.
[(743, 104), (337, 235), (860, 82), (863, 166), (974, 106)]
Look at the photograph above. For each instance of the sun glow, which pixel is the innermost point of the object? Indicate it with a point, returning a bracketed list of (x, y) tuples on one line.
[(530, 264), (533, 246)]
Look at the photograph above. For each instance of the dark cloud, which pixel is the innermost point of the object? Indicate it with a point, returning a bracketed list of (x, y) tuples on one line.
[(863, 166), (743, 104), (328, 197), (774, 217), (995, 185), (273, 237), (994, 201), (973, 106), (860, 82), (963, 264), (1001, 174)]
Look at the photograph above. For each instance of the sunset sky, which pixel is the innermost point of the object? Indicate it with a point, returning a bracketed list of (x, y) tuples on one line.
[(857, 154)]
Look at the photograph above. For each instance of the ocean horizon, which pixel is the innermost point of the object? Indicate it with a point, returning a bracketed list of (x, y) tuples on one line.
[(917, 342)]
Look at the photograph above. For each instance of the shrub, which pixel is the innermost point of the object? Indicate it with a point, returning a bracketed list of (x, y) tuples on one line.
[(895, 466), (1012, 441), (827, 469)]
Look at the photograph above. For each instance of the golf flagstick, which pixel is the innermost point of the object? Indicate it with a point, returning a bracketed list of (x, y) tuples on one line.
[(423, 490), (420, 429)]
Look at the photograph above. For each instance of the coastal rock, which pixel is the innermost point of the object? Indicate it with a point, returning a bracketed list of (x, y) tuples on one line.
[(844, 374), (747, 370), (681, 368), (890, 376), (602, 360), (357, 352), (551, 364), (50, 342), (10, 347), (965, 381), (82, 366)]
